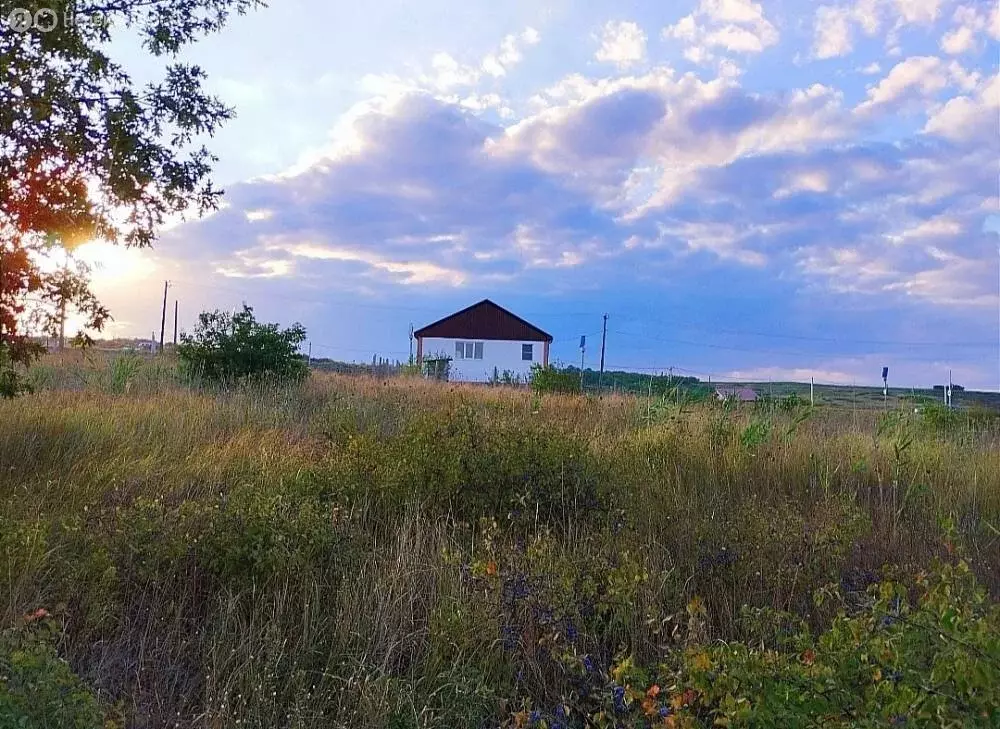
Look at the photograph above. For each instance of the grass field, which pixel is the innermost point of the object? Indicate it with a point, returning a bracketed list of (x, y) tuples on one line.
[(401, 553), (846, 396)]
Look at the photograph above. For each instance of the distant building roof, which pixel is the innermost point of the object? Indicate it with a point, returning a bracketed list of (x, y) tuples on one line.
[(743, 394), (484, 320)]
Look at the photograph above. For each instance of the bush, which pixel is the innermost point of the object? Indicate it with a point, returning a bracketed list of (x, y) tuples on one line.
[(37, 688), (228, 347), (898, 661), (553, 379), (12, 382)]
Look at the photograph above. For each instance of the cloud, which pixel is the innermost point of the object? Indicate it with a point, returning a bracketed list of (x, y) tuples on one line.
[(423, 198), (254, 215), (448, 75), (974, 117), (736, 26), (833, 32), (510, 53), (406, 272), (968, 23), (923, 12), (622, 43), (600, 134), (822, 374), (834, 27), (928, 229), (959, 40), (616, 170), (917, 77), (631, 180), (418, 190)]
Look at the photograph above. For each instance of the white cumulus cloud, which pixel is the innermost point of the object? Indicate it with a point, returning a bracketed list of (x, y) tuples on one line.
[(974, 116), (914, 78), (510, 52), (736, 26), (622, 43), (919, 11)]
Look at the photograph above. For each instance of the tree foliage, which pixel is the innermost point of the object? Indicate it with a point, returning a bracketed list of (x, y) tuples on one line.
[(64, 293), (230, 347), (85, 153), (37, 295), (554, 379)]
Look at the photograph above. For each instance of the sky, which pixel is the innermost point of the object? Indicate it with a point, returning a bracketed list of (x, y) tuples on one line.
[(750, 190)]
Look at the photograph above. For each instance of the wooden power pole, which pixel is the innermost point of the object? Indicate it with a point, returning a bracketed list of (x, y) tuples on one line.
[(175, 322), (62, 322), (604, 337), (163, 315)]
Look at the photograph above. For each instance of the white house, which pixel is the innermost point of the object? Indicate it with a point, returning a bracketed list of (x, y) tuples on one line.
[(484, 341)]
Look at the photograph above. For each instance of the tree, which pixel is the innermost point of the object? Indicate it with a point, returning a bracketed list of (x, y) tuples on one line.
[(66, 292), (229, 347), (19, 276), (86, 154)]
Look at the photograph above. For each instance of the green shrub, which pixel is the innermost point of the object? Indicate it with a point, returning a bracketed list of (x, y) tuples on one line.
[(230, 347), (925, 654), (12, 380), (940, 418), (553, 379), (38, 690)]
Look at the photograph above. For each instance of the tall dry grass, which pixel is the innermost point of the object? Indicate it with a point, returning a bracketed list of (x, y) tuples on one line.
[(367, 553)]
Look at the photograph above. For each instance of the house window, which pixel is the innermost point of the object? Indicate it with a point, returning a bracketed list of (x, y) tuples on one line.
[(468, 350), (526, 352)]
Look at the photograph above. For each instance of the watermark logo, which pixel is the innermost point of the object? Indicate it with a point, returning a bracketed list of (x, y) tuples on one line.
[(45, 20)]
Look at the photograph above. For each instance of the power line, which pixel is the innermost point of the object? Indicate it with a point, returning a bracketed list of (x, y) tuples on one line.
[(831, 340), (550, 314), (750, 350)]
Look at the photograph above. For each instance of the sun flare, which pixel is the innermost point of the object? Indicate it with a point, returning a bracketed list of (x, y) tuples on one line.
[(113, 264)]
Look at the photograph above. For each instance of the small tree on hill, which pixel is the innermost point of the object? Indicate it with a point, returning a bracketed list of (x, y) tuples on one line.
[(236, 346)]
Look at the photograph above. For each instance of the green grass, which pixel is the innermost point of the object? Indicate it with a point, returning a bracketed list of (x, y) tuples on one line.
[(365, 553)]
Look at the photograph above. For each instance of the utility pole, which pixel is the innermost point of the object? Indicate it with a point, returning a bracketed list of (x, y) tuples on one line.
[(163, 315), (175, 323), (604, 337), (310, 360), (411, 343), (62, 322), (812, 386), (583, 348), (3, 252), (949, 390)]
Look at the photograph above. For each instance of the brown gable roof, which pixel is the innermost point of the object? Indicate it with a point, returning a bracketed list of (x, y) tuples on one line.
[(484, 320)]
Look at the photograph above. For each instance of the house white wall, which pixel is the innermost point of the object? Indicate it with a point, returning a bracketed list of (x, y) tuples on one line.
[(500, 354)]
